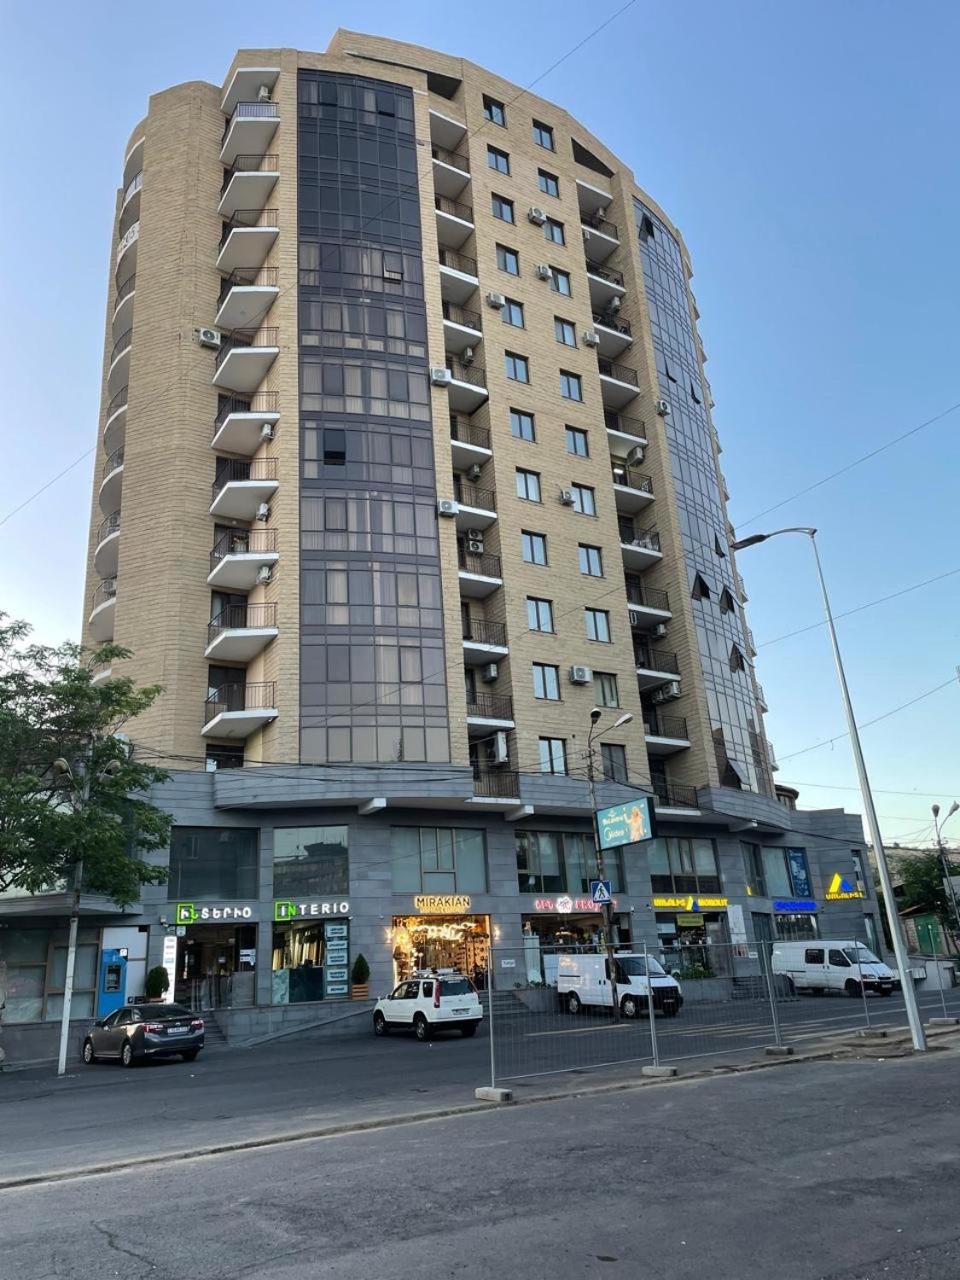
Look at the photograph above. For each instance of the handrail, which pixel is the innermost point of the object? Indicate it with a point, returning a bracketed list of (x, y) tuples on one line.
[(491, 706), (108, 525), (485, 566), (457, 261), (656, 659), (631, 477), (261, 695), (454, 158), (239, 542), (121, 344), (610, 274), (466, 492), (247, 338), (460, 315), (658, 726), (609, 369), (260, 402), (262, 278), (239, 617), (454, 207), (115, 460), (250, 111), (480, 631), (467, 432), (240, 469)]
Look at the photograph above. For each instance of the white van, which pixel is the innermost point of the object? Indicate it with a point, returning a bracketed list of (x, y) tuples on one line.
[(584, 980), (832, 966)]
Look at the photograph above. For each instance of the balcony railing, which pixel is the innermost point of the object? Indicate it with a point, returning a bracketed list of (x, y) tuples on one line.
[(133, 186), (628, 426), (246, 338), (239, 617), (110, 464), (107, 590), (610, 274), (470, 495), (500, 784), (239, 469), (612, 322), (486, 566), (251, 111), (474, 374), (249, 278), (117, 402), (675, 795), (466, 432), (656, 659), (249, 164), (630, 534), (262, 402), (454, 158), (240, 697), (658, 726), (239, 542), (603, 225), (639, 593), (458, 261), (492, 706), (619, 371), (125, 291), (460, 315), (110, 524), (244, 219), (631, 477), (457, 210), (480, 631), (121, 344)]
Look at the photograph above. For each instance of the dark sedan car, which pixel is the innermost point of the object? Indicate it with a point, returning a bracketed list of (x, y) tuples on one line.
[(141, 1031)]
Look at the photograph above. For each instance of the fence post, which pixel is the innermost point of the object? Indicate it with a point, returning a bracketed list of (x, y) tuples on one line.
[(766, 964), (863, 989), (651, 1012), (946, 1020), (493, 1058)]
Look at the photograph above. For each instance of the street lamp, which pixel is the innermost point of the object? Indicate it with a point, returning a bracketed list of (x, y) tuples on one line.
[(873, 825), (944, 865), (608, 924)]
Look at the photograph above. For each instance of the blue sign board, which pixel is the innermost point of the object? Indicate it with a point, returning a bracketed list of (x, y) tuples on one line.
[(601, 891), (625, 823), (794, 905)]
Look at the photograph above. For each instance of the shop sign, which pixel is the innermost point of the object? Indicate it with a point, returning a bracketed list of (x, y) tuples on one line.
[(566, 905), (794, 906), (625, 823), (690, 903), (799, 876), (284, 909), (169, 962), (841, 889), (442, 904), (211, 912)]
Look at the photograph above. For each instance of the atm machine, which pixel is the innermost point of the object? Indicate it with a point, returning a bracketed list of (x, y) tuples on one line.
[(112, 984)]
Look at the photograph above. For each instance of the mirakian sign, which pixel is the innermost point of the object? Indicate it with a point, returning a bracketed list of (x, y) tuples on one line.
[(442, 904)]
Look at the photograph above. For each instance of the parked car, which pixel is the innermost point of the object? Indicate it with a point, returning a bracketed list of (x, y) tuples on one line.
[(140, 1031), (832, 966), (430, 1002), (583, 980)]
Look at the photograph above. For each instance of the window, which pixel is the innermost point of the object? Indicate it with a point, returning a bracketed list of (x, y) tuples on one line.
[(310, 861), (494, 111), (560, 282), (508, 260), (700, 589), (549, 183), (565, 331), (571, 385), (517, 368), (605, 690), (646, 227), (813, 955), (726, 600), (613, 761), (213, 862), (695, 392), (502, 208), (577, 442), (584, 499), (591, 560), (546, 682), (775, 873), (539, 614), (521, 425), (438, 860), (533, 547), (543, 135), (528, 485), (563, 861), (512, 313), (670, 369), (553, 755), (857, 857), (737, 661), (598, 625), (683, 865), (718, 547), (334, 447), (753, 870), (392, 265), (553, 231), (497, 159)]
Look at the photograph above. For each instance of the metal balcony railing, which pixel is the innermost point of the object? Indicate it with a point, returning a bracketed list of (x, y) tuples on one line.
[(675, 795), (639, 593), (107, 590), (496, 784), (470, 495), (242, 617), (240, 697), (458, 261), (467, 433), (658, 726), (110, 464), (474, 374), (246, 219), (457, 210), (602, 225), (251, 111), (239, 542), (631, 477), (117, 402), (247, 338), (612, 322), (110, 524), (125, 290), (262, 402), (630, 534), (628, 426), (248, 278), (460, 315), (619, 371), (480, 631), (121, 344), (610, 274), (491, 706), (486, 566), (133, 186), (250, 164), (456, 159), (231, 469), (656, 659)]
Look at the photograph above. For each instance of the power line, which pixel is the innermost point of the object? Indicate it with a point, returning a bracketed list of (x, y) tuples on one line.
[(43, 488), (879, 791)]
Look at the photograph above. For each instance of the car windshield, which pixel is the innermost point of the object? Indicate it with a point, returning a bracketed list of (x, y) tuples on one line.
[(163, 1012), (861, 955), (636, 966), (455, 987)]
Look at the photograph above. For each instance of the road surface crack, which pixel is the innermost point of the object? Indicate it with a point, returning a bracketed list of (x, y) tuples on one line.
[(111, 1239)]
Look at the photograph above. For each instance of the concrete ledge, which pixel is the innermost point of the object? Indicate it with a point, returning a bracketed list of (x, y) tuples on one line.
[(943, 1022), (779, 1050), (658, 1072), (488, 1094), (873, 1033)]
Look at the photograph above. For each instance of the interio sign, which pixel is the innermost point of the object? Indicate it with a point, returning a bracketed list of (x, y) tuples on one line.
[(284, 909)]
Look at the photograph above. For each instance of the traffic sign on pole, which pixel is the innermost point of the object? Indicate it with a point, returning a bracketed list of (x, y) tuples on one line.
[(601, 892)]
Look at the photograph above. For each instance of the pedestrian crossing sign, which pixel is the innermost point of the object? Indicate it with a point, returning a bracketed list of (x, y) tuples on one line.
[(601, 892)]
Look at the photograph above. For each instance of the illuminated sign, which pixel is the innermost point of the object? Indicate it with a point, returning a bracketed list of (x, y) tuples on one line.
[(565, 905), (442, 904), (211, 913), (841, 889), (794, 905), (625, 823), (284, 909), (690, 904)]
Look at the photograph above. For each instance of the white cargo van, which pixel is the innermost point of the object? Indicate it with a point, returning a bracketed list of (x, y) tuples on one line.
[(832, 966), (583, 981)]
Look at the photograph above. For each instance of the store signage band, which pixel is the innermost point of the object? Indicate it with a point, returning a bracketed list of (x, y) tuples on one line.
[(794, 906), (566, 905), (622, 824), (285, 909), (212, 912), (690, 903), (442, 904)]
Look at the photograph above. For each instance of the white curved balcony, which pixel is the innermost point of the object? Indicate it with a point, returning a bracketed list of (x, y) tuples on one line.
[(103, 611), (127, 254), (107, 552), (115, 427), (119, 373), (111, 484)]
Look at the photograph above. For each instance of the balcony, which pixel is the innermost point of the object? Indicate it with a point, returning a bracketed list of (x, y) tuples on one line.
[(496, 784), (605, 283), (245, 358), (248, 184), (126, 265), (654, 666), (130, 205), (245, 84), (451, 171), (761, 696), (106, 552), (237, 710), (445, 131), (600, 237), (478, 507), (455, 223), (249, 130), (123, 306), (239, 558), (115, 426), (666, 735), (593, 201), (111, 482), (103, 608), (632, 488), (618, 383), (467, 388), (133, 160), (240, 632), (119, 372), (480, 575), (241, 486), (248, 236), (462, 329), (487, 711), (624, 434), (647, 605), (243, 422), (775, 768), (615, 334), (246, 296), (100, 675), (640, 548), (483, 641), (674, 795), (458, 276), (469, 444)]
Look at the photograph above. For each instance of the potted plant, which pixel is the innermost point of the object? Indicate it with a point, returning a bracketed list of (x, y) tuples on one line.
[(158, 983), (360, 978)]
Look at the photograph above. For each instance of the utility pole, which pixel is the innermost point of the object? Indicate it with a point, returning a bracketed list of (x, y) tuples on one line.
[(63, 768), (945, 865)]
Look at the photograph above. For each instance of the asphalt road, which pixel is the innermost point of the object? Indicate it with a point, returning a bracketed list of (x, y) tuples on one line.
[(817, 1171)]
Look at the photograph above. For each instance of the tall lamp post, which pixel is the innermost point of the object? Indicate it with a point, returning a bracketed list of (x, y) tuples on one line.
[(592, 737), (873, 825), (944, 864)]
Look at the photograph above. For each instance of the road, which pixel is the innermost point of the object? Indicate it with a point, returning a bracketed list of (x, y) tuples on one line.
[(816, 1171)]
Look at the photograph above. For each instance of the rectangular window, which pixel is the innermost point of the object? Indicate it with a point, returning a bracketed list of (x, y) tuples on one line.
[(577, 442), (508, 260), (546, 682), (497, 159), (540, 866), (494, 111), (775, 873), (553, 755), (553, 231), (517, 368), (613, 760), (512, 313), (533, 547), (753, 870), (682, 865), (598, 625), (502, 208), (438, 860), (571, 385), (543, 135), (528, 485), (584, 499), (310, 861), (213, 862), (334, 447), (549, 183), (522, 425), (605, 690), (560, 282), (591, 560), (565, 331), (539, 614)]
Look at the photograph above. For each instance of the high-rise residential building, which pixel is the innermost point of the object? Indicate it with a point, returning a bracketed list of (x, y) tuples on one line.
[(405, 464)]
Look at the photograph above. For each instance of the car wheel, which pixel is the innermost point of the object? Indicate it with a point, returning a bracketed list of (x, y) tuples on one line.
[(629, 1008), (670, 1010), (88, 1054), (380, 1027), (791, 987), (467, 1032), (422, 1027), (573, 1003), (852, 988), (126, 1054), (190, 1055), (887, 991)]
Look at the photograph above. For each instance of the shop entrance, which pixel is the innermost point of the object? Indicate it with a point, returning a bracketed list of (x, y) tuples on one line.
[(441, 942), (547, 937), (216, 966), (695, 942)]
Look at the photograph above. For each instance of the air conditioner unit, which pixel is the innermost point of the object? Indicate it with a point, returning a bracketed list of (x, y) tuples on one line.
[(536, 216), (669, 692), (211, 338), (447, 507), (497, 752), (660, 630), (599, 216), (591, 338), (663, 408), (566, 497), (475, 535), (544, 272), (496, 300), (263, 511), (475, 546), (475, 472), (636, 455), (268, 431), (263, 93), (466, 356), (580, 675), (109, 586), (489, 673), (264, 575), (614, 305), (441, 377)]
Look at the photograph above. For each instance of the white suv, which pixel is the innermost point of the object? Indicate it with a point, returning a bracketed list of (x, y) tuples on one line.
[(430, 1002)]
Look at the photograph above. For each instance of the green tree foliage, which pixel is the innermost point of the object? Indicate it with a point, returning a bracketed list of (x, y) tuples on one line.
[(51, 710), (922, 879)]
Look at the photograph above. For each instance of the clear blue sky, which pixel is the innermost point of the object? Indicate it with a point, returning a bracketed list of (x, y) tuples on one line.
[(808, 153)]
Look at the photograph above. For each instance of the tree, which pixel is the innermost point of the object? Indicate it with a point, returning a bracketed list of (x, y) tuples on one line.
[(50, 710), (922, 878)]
